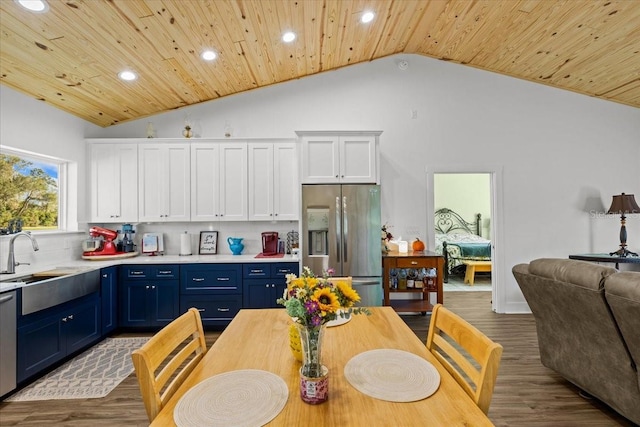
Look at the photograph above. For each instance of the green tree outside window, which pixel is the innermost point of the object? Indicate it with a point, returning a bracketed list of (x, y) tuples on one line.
[(28, 193)]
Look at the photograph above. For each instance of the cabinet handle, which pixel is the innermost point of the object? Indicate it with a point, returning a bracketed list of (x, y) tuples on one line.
[(273, 286), (257, 271), (336, 176), (136, 272), (201, 310), (414, 262), (146, 287), (64, 319), (153, 286), (198, 279), (164, 272), (71, 317), (276, 214), (266, 286), (104, 275), (284, 270), (223, 279), (223, 309)]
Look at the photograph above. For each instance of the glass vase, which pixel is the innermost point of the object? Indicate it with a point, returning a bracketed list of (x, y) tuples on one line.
[(314, 376)]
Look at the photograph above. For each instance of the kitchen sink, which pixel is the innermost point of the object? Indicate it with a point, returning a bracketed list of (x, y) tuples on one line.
[(32, 278)]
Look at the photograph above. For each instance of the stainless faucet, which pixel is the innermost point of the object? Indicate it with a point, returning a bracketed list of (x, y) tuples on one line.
[(11, 262)]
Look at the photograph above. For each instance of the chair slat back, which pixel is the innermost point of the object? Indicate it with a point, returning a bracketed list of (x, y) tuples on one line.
[(165, 361), (454, 341)]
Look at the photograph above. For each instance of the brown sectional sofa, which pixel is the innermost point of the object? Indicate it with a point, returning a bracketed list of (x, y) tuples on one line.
[(588, 324)]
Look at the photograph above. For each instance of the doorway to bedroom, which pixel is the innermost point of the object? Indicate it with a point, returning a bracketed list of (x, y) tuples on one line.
[(462, 218)]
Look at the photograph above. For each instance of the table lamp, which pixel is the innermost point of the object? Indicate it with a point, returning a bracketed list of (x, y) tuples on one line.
[(623, 204)]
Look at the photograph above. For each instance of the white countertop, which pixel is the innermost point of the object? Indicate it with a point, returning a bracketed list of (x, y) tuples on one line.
[(86, 265)]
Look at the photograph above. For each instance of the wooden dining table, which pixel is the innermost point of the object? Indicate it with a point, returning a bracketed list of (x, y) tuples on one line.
[(259, 339)]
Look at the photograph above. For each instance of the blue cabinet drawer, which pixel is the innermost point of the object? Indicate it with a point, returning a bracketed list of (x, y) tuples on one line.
[(281, 269), (162, 271), (165, 271), (219, 278), (135, 272), (256, 271), (214, 309)]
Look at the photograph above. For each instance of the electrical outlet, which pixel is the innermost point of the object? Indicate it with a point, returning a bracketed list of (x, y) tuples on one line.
[(414, 114)]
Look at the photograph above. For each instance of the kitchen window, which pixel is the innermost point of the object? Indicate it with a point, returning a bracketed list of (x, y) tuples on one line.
[(32, 192)]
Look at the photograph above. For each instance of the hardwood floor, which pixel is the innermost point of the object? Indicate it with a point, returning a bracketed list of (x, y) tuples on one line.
[(526, 393)]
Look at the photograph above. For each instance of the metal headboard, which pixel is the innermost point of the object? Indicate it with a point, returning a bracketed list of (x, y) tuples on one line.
[(447, 221)]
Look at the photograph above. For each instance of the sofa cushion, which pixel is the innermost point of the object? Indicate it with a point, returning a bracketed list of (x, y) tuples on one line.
[(581, 273), (622, 291)]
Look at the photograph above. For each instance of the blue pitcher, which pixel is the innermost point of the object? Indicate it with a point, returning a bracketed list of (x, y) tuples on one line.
[(235, 244)]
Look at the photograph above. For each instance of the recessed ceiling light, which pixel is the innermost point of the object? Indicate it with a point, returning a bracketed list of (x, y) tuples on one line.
[(367, 17), (127, 75), (288, 37), (208, 55), (34, 5)]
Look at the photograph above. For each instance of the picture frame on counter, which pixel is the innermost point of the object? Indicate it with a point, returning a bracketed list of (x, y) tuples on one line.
[(208, 243)]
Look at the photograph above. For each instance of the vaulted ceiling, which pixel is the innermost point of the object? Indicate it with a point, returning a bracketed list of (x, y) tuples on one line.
[(70, 56)]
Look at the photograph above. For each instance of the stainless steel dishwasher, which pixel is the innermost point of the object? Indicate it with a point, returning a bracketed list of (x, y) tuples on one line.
[(8, 332)]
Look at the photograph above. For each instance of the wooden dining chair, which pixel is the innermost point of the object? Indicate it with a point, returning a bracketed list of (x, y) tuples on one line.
[(165, 361), (469, 355), (348, 280)]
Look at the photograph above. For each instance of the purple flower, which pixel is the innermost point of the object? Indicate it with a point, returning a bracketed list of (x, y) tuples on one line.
[(331, 271)]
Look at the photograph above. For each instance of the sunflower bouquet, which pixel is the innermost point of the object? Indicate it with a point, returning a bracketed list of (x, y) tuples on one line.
[(313, 301)]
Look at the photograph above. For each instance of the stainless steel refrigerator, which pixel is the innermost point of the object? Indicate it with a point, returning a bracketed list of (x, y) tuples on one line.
[(341, 226)]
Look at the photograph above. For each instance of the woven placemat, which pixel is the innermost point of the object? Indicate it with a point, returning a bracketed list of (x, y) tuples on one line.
[(393, 375), (247, 397)]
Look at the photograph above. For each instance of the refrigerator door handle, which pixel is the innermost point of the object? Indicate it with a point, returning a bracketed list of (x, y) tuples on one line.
[(338, 230), (345, 236)]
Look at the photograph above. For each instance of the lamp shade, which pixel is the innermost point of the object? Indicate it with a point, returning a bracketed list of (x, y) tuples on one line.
[(624, 204)]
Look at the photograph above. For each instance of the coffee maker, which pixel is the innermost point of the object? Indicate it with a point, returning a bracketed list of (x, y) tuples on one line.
[(126, 244), (270, 243)]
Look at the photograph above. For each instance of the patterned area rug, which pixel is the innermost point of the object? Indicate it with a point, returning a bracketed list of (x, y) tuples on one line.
[(91, 374)]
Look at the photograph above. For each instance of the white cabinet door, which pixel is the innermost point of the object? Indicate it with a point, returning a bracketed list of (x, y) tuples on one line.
[(332, 157), (205, 185), (164, 190), (219, 181), (321, 159), (233, 182), (260, 181), (273, 181), (114, 183), (357, 159), (286, 186)]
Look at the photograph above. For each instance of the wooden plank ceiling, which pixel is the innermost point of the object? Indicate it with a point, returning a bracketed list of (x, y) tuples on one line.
[(70, 56)]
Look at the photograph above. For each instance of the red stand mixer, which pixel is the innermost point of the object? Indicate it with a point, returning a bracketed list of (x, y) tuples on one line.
[(104, 246)]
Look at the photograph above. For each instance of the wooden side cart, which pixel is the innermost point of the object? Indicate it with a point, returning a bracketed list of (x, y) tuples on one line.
[(414, 299)]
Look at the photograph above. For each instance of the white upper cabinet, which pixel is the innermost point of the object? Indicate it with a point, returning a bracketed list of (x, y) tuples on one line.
[(219, 181), (339, 157), (114, 182), (273, 181), (164, 182)]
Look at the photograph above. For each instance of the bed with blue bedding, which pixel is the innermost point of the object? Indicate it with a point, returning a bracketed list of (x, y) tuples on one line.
[(459, 240)]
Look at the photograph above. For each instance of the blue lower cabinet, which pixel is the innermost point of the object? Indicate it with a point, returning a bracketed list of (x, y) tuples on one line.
[(215, 310), (49, 336), (214, 289), (109, 299), (149, 296), (264, 283)]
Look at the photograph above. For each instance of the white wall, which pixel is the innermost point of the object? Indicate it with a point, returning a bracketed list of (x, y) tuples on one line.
[(560, 153), (33, 126)]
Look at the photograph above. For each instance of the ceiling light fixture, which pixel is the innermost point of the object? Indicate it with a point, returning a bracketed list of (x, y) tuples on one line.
[(367, 17), (127, 75), (288, 37), (34, 5), (208, 55)]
